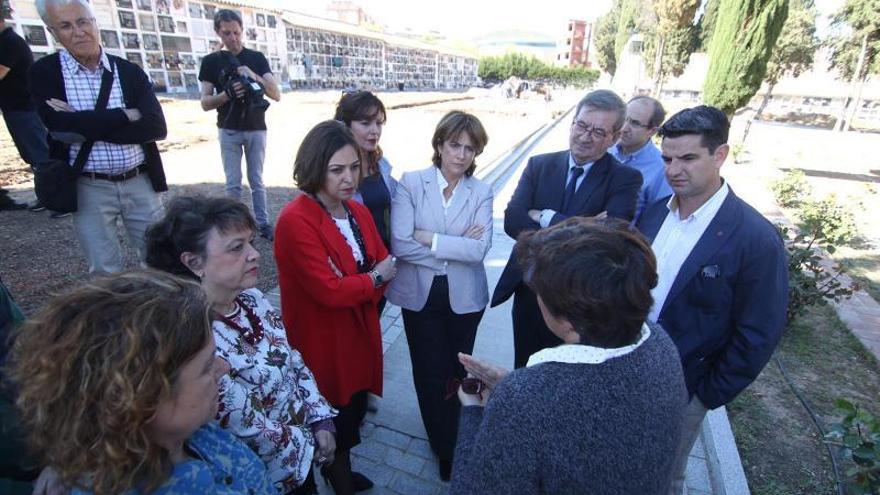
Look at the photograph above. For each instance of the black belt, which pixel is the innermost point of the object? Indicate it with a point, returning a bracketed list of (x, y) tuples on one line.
[(130, 174)]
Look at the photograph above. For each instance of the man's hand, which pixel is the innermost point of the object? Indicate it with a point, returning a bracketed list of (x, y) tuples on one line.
[(59, 105), (133, 114), (246, 71), (488, 372), (535, 215)]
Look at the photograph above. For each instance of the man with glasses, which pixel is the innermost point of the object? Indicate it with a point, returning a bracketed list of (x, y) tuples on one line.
[(635, 149), (122, 175), (582, 181)]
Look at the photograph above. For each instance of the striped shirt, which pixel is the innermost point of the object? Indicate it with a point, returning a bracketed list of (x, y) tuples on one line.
[(82, 87)]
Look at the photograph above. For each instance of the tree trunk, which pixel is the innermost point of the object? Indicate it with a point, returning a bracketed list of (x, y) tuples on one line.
[(843, 123), (855, 105), (658, 66), (761, 108)]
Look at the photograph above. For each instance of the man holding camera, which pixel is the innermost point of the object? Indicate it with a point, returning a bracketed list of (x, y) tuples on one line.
[(234, 81)]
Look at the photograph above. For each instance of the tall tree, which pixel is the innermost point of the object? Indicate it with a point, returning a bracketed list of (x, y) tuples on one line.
[(606, 33), (671, 39), (745, 34), (707, 23), (855, 48), (794, 51), (627, 24)]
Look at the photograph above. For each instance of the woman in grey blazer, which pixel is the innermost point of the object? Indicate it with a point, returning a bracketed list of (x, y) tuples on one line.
[(441, 229)]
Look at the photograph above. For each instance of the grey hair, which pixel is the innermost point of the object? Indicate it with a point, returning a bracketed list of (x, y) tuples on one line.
[(606, 100), (42, 4)]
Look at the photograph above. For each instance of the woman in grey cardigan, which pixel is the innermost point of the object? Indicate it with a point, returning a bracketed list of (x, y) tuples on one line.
[(600, 414)]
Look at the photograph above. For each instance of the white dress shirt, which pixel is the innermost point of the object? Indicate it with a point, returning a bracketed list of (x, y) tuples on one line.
[(675, 241), (442, 183), (585, 354), (547, 214)]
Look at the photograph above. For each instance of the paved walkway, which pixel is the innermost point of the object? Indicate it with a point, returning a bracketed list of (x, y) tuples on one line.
[(395, 453)]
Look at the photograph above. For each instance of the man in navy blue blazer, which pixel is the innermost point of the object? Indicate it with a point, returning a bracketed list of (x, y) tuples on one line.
[(584, 180), (722, 288)]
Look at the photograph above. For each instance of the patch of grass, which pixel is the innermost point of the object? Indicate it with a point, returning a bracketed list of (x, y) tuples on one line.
[(781, 449)]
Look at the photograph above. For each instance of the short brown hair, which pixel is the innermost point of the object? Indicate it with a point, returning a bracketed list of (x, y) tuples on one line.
[(451, 126), (185, 227), (92, 367), (226, 15), (597, 274), (313, 156)]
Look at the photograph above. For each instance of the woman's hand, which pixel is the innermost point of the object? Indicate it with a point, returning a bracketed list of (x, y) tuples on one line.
[(326, 449), (387, 268), (424, 237), (488, 372), (474, 399), (48, 483), (474, 232)]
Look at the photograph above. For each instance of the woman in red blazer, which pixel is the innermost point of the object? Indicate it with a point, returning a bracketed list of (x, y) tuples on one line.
[(332, 268)]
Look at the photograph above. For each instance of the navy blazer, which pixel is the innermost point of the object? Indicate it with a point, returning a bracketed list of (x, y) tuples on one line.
[(726, 308), (609, 186), (109, 125)]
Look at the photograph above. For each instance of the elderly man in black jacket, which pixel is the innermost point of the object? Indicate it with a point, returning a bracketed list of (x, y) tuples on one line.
[(123, 173)]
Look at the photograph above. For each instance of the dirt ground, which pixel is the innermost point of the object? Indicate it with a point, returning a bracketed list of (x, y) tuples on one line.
[(41, 256)]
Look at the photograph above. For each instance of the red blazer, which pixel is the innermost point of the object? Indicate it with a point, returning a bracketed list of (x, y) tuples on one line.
[(331, 319)]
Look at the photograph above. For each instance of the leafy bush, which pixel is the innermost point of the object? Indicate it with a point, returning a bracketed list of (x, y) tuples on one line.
[(858, 436), (810, 281), (791, 189), (496, 69), (829, 220)]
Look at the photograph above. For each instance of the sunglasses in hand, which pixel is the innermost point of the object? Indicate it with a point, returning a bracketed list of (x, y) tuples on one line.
[(470, 386)]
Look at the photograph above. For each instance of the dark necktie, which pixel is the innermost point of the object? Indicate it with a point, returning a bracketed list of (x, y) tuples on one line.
[(570, 189)]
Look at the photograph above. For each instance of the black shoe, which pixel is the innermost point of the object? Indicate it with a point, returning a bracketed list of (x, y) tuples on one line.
[(267, 232), (59, 214), (359, 482), (445, 469), (37, 207), (13, 205)]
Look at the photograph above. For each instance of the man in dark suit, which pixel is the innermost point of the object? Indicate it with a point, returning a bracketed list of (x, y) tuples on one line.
[(722, 288), (584, 180)]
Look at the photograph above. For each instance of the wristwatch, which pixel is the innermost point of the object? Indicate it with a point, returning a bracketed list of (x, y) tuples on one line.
[(377, 278)]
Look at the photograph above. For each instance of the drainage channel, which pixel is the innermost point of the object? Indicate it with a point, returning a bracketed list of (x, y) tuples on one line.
[(499, 170)]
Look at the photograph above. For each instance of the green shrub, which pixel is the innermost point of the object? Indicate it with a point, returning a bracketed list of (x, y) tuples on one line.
[(858, 436), (791, 188), (810, 282), (829, 220)]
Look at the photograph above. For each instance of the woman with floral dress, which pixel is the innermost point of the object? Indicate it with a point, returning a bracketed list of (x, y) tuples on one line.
[(270, 398)]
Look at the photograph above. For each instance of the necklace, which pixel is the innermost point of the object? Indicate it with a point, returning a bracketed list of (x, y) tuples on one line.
[(362, 266), (252, 335)]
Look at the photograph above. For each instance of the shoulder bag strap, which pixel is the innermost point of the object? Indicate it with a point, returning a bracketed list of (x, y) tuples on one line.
[(101, 104)]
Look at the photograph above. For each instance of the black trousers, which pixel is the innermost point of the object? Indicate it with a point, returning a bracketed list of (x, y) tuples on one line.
[(530, 333), (435, 336)]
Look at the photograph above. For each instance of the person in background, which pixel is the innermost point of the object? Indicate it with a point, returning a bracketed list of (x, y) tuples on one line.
[(118, 385), (270, 399), (635, 149), (332, 270), (583, 180), (441, 230), (600, 413), (123, 174), (241, 122), (723, 274), (364, 113)]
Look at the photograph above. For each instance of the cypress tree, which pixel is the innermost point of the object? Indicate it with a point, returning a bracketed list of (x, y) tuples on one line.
[(744, 36)]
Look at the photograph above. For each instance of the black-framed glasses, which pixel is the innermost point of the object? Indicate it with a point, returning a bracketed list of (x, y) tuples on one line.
[(583, 129)]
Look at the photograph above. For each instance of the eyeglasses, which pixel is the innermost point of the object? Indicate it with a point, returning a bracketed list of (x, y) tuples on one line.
[(583, 129), (83, 23), (470, 386), (635, 123)]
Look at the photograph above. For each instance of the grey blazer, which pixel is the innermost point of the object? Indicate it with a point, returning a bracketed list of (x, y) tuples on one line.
[(418, 204)]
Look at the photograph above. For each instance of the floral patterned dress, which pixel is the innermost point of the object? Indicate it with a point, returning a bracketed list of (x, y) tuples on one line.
[(269, 399)]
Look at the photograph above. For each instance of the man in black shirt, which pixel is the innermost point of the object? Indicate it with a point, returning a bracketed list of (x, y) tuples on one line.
[(21, 117), (240, 114)]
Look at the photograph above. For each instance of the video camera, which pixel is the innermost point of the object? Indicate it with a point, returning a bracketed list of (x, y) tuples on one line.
[(253, 98)]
